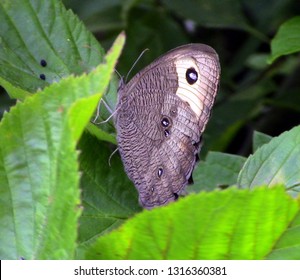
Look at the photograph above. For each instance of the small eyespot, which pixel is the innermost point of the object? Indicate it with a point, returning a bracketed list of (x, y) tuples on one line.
[(160, 172), (43, 77), (173, 111), (167, 132), (43, 63), (175, 196), (165, 122), (191, 76)]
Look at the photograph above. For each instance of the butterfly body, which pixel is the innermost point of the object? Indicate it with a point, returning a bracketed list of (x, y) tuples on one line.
[(161, 115)]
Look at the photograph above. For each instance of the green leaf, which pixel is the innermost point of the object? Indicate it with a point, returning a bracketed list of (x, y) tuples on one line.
[(288, 245), (102, 125), (99, 16), (33, 30), (267, 15), (108, 196), (39, 178), (101, 134), (277, 162), (260, 139), (286, 40), (204, 12), (232, 224), (218, 170), (257, 61)]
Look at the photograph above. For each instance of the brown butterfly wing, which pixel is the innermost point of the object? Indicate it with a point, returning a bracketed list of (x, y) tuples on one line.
[(160, 119)]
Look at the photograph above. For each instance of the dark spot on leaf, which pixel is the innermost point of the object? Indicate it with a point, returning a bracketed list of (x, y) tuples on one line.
[(43, 77), (43, 62)]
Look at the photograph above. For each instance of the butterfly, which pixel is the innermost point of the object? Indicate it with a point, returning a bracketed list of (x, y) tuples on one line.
[(160, 117)]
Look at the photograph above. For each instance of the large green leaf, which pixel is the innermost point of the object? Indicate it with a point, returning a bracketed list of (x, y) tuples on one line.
[(108, 196), (287, 39), (34, 30), (63, 47), (218, 170), (39, 178), (275, 162), (232, 224)]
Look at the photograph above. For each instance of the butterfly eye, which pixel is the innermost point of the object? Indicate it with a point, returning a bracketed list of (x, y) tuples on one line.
[(191, 76)]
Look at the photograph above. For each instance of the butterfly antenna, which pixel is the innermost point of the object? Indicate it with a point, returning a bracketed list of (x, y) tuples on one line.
[(136, 61), (111, 155), (112, 113), (106, 120), (98, 112), (118, 73), (121, 80)]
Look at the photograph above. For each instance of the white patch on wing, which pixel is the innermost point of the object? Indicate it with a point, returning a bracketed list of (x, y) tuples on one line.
[(192, 94)]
